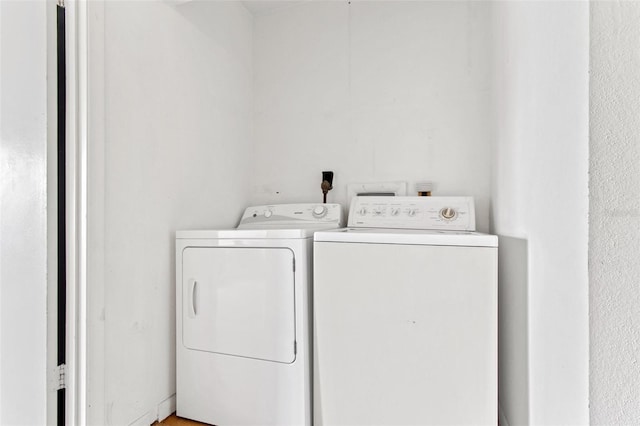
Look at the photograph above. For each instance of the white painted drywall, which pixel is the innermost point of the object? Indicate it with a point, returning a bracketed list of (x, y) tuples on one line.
[(540, 194), (176, 133), (23, 220), (375, 91), (614, 240)]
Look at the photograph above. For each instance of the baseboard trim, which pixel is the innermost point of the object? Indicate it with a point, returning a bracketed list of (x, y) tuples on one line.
[(166, 407), (145, 420), (163, 410)]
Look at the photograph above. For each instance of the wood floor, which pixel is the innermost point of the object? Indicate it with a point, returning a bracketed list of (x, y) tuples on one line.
[(174, 420)]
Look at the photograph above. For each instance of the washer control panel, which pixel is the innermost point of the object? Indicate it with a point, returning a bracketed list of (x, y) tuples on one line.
[(444, 213), (292, 215)]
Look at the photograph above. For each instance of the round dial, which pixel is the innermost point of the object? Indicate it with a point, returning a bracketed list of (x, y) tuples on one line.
[(412, 212), (362, 211), (319, 211), (268, 213), (395, 211), (448, 213)]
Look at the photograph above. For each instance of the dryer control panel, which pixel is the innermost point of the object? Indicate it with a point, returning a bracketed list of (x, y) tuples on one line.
[(292, 215), (442, 213)]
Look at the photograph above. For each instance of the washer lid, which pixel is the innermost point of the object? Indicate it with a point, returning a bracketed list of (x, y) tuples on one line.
[(407, 236)]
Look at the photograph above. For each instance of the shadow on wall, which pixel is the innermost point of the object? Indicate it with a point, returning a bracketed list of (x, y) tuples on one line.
[(513, 334)]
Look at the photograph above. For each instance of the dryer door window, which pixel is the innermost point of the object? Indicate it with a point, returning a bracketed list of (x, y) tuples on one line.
[(239, 301)]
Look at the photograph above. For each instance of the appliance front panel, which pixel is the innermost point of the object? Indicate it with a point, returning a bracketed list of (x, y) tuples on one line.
[(405, 335), (239, 301)]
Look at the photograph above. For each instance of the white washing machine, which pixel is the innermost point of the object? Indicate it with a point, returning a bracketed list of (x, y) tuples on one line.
[(405, 316), (243, 354)]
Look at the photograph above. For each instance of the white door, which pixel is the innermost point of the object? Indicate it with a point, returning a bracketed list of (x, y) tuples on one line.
[(239, 302)]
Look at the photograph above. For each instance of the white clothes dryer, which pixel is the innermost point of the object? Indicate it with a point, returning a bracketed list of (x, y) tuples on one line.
[(405, 316), (243, 354)]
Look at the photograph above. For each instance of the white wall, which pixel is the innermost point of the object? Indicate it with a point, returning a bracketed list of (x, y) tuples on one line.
[(176, 125), (23, 220), (540, 195), (614, 241), (375, 91)]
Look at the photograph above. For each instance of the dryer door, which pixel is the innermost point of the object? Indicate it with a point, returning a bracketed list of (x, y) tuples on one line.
[(239, 301)]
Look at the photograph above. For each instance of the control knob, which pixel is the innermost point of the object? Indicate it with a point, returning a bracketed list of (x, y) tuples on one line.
[(448, 213), (319, 211), (268, 213)]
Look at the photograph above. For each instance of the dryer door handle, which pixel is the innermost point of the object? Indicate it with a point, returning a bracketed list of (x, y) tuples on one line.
[(191, 300)]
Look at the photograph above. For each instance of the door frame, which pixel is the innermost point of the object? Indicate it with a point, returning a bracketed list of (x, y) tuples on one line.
[(75, 377)]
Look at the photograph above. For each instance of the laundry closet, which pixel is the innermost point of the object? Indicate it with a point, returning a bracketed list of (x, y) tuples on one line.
[(202, 108)]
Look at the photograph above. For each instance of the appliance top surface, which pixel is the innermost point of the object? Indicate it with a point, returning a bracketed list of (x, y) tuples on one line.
[(407, 237), (277, 221), (250, 234)]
